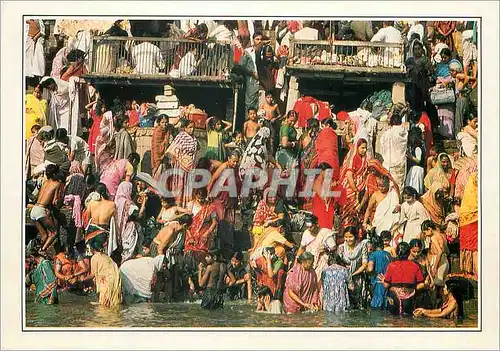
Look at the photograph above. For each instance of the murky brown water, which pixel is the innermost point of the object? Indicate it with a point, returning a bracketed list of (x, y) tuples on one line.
[(76, 311)]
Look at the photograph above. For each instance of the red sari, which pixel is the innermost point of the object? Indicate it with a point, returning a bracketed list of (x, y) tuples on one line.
[(358, 165), (94, 130), (429, 139), (196, 238), (327, 149)]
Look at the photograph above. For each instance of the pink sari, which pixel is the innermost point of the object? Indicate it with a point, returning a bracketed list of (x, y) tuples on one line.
[(304, 284), (113, 175), (106, 131), (127, 233)]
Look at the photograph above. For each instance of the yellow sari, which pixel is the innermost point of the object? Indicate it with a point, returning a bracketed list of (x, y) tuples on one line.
[(107, 279), (35, 113)]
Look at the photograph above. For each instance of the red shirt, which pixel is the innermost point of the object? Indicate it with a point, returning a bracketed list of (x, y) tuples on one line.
[(403, 272)]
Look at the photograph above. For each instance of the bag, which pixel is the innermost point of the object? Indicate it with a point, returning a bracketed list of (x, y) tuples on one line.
[(199, 118), (442, 96)]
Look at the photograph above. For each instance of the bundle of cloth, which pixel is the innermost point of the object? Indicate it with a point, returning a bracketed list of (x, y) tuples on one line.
[(379, 103)]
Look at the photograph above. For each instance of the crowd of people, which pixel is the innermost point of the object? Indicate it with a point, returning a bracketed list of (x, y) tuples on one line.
[(381, 236)]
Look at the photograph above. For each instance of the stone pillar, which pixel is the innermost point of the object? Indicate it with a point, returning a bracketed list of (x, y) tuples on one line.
[(168, 104), (293, 93)]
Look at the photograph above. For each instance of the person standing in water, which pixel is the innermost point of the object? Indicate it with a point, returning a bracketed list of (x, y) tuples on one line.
[(211, 281)]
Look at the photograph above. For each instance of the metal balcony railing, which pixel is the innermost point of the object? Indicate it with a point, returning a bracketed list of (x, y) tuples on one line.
[(347, 54), (158, 57)]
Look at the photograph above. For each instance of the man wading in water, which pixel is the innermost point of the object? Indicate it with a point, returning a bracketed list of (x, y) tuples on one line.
[(212, 281), (49, 199)]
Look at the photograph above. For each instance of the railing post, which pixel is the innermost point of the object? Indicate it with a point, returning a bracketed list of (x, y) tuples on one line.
[(93, 54)]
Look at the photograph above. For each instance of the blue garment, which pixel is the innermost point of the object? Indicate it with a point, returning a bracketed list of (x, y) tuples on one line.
[(443, 69), (381, 260), (335, 294)]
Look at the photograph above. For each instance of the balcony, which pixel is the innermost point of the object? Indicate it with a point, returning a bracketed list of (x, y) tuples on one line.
[(160, 59), (344, 57)]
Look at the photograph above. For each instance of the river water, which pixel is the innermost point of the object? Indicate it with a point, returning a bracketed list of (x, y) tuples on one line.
[(77, 311)]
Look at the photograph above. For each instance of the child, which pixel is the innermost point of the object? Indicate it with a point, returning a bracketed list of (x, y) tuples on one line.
[(131, 112), (215, 138), (431, 159), (237, 143), (386, 238), (251, 126), (270, 107), (169, 212)]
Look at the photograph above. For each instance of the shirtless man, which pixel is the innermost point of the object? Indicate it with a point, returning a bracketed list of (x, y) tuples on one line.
[(211, 281), (251, 126), (382, 220), (100, 212), (49, 198), (376, 198), (168, 234)]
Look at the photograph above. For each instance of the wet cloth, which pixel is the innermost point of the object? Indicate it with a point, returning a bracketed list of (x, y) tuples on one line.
[(304, 284), (381, 260), (107, 279), (355, 258), (38, 212), (335, 280), (45, 281), (137, 275)]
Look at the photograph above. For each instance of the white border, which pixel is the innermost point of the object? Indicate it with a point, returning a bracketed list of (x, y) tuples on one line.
[(12, 133)]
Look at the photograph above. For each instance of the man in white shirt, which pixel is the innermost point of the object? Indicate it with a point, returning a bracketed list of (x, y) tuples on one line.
[(147, 58), (189, 64), (306, 33), (387, 34)]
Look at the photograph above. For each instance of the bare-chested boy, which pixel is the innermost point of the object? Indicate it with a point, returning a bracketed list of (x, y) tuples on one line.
[(168, 234), (251, 126), (49, 198), (100, 212)]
